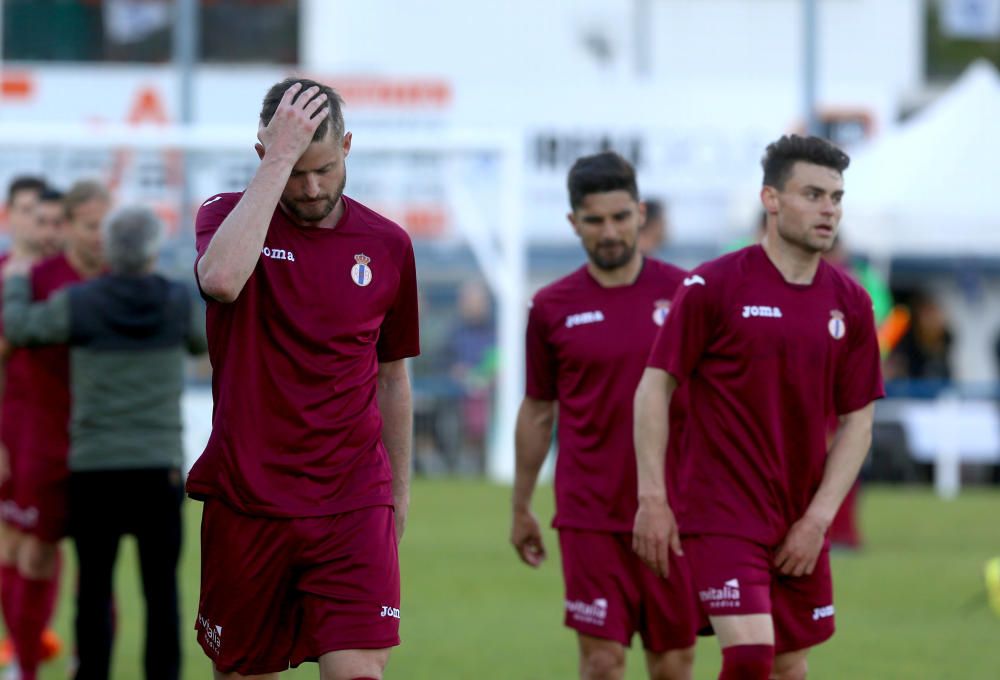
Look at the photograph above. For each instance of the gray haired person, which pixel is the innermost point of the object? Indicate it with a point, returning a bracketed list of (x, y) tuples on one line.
[(129, 332)]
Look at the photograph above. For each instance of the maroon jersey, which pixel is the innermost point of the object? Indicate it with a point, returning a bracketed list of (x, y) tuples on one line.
[(586, 349), (766, 362), (296, 430), (36, 395)]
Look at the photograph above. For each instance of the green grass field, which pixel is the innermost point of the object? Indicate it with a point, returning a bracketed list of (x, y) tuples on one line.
[(911, 606)]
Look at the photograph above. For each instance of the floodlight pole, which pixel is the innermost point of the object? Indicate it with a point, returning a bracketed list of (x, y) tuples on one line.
[(185, 47), (809, 39), (642, 26)]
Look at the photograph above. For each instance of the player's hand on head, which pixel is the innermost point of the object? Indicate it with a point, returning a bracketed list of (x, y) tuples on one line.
[(291, 129), (655, 535), (526, 537), (798, 553)]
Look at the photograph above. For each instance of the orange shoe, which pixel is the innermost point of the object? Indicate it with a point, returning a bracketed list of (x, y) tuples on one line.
[(51, 645), (6, 652)]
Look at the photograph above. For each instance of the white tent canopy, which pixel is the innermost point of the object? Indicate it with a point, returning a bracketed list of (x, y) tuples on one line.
[(930, 187)]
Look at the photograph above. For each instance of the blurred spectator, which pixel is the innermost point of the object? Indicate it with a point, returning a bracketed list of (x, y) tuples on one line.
[(654, 232), (472, 352), (923, 354), (869, 278), (129, 332), (845, 530), (430, 387)]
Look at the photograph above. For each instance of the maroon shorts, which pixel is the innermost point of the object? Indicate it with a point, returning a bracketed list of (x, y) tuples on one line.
[(611, 594), (277, 592), (37, 500), (733, 576)]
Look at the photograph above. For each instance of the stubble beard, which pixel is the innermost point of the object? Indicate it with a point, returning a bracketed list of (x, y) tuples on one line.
[(805, 243), (318, 213), (609, 264)]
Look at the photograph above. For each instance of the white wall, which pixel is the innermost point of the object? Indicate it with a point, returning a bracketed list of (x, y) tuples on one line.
[(533, 41)]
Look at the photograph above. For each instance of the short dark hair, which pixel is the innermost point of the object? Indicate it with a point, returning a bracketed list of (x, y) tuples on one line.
[(602, 172), (24, 183), (780, 156), (335, 118), (51, 195)]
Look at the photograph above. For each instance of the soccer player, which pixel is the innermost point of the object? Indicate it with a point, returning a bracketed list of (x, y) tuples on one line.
[(38, 437), (769, 340), (588, 336), (312, 310), (22, 203)]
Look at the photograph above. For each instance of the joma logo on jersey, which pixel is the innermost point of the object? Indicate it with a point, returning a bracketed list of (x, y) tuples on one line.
[(392, 612), (584, 318), (278, 254), (762, 310), (822, 612)]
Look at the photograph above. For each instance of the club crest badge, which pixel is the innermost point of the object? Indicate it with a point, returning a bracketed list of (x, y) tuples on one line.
[(837, 327), (660, 310), (361, 272)]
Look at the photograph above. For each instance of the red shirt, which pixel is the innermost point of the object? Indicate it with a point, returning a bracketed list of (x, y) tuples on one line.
[(296, 430), (36, 396), (586, 349), (766, 362)]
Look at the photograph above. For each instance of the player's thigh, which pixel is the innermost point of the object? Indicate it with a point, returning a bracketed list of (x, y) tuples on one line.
[(10, 538), (669, 617), (600, 659), (732, 581), (347, 664), (602, 600), (348, 584), (677, 664), (803, 608), (247, 613), (37, 558), (791, 665)]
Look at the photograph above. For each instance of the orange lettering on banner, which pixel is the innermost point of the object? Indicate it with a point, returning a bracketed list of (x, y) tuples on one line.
[(390, 93), (17, 86), (147, 108), (425, 220)]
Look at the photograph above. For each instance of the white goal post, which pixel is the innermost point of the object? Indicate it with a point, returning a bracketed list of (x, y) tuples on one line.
[(488, 218)]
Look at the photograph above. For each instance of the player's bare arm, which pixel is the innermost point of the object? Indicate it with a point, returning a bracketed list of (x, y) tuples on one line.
[(532, 437), (395, 403), (655, 531), (235, 248), (799, 551)]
